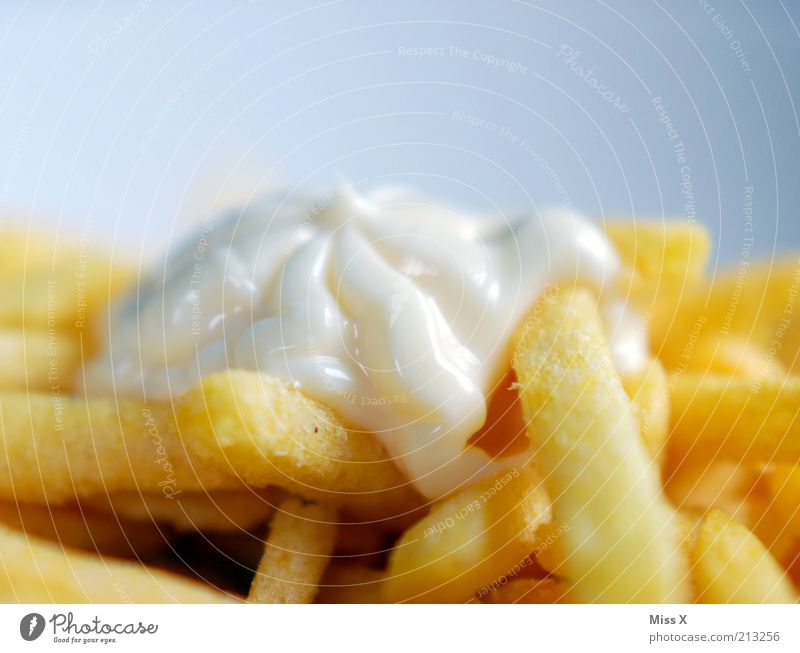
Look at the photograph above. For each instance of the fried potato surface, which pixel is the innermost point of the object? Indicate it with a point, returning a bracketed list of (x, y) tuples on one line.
[(738, 419), (732, 355), (663, 257), (218, 511), (648, 390), (755, 302), (621, 544), (468, 540), (36, 571), (730, 565), (778, 522), (299, 547), (78, 527), (54, 449), (698, 487), (36, 361), (268, 433)]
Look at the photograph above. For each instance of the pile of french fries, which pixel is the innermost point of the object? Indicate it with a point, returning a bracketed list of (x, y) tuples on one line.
[(677, 483)]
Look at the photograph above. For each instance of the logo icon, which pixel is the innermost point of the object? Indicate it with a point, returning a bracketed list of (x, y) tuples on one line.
[(31, 626)]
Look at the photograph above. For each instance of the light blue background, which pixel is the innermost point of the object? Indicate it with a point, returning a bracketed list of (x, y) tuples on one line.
[(131, 120)]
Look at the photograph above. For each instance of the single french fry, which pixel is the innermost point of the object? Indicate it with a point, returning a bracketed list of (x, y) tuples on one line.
[(23, 248), (299, 547), (716, 416), (730, 565), (783, 486), (687, 525), (67, 298), (266, 432), (733, 355), (662, 256), (529, 590), (649, 393), (350, 582), (697, 486), (37, 571), (49, 282), (756, 302), (778, 524), (468, 540), (55, 449), (36, 361), (225, 511), (79, 527), (621, 545)]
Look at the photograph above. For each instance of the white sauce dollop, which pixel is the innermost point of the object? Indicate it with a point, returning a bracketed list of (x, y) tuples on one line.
[(395, 312)]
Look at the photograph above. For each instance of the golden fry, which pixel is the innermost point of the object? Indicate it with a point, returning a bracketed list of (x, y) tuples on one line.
[(469, 540), (733, 355), (36, 571), (267, 433), (715, 416), (36, 361), (621, 545), (55, 448), (649, 394), (730, 565), (663, 257), (224, 511), (300, 544), (699, 487), (778, 523), (757, 303), (78, 527)]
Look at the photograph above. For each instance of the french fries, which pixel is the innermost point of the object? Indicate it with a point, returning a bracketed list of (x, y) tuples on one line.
[(55, 449), (621, 544), (225, 511), (778, 522), (663, 258), (36, 571), (732, 355), (678, 481), (648, 390), (298, 549), (753, 301), (469, 540), (730, 487), (38, 361), (64, 298), (732, 418), (78, 527), (267, 433), (730, 565)]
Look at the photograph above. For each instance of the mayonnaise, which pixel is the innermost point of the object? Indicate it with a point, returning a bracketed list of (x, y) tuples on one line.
[(394, 311)]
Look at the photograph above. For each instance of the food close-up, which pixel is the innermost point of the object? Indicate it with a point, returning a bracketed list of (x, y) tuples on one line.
[(560, 409), (317, 312)]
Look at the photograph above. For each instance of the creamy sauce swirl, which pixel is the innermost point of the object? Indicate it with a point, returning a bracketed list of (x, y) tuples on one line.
[(396, 312)]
